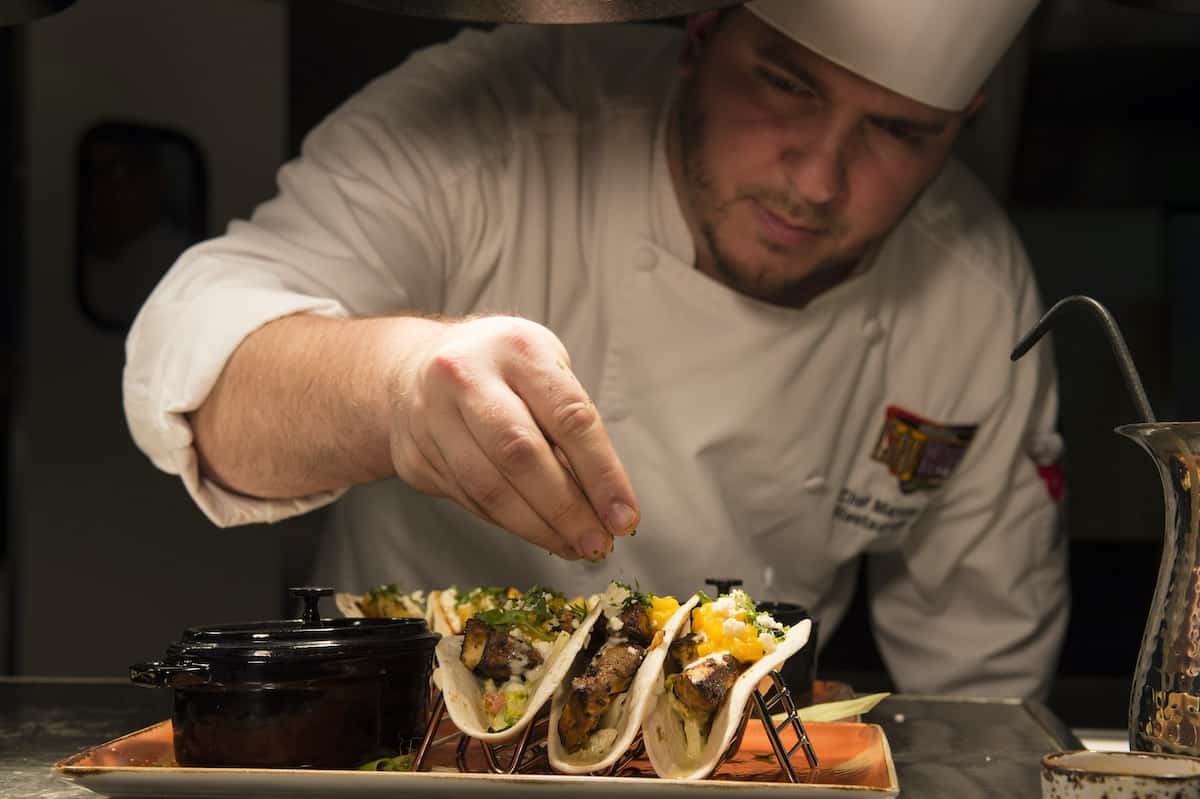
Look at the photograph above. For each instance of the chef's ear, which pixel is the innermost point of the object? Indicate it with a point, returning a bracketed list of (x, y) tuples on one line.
[(700, 28)]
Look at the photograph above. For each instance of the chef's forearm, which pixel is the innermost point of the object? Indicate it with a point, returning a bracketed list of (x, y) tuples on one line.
[(304, 405)]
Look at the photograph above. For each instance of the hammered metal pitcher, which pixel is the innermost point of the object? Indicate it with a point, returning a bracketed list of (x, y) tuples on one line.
[(1164, 703)]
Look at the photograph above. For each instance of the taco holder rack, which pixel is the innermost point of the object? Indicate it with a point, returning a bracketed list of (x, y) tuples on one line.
[(527, 754)]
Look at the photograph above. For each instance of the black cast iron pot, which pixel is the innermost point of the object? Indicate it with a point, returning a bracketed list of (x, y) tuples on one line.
[(298, 693)]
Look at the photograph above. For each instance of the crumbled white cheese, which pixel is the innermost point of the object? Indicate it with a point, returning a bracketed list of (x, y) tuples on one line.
[(768, 642), (767, 622), (613, 601), (733, 628), (724, 606)]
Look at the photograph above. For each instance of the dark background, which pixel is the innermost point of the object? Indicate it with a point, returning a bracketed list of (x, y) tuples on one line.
[(1104, 188)]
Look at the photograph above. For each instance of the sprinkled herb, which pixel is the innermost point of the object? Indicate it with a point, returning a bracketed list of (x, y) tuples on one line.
[(540, 614)]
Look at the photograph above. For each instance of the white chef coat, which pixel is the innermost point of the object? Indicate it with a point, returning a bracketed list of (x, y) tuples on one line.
[(524, 172)]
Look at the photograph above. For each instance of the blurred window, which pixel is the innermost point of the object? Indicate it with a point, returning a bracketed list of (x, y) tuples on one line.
[(141, 203)]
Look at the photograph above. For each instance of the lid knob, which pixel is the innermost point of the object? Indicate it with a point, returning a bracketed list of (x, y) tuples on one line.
[(722, 584), (311, 596)]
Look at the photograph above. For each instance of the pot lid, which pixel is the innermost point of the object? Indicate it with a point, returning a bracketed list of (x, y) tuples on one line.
[(545, 11), (307, 637)]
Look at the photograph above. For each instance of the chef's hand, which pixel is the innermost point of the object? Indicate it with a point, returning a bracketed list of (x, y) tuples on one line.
[(489, 414)]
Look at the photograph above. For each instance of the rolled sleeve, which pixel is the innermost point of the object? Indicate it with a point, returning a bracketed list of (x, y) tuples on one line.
[(174, 355)]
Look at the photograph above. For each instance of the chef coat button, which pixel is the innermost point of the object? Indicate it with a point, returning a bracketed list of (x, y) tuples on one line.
[(872, 331), (645, 260), (815, 484)]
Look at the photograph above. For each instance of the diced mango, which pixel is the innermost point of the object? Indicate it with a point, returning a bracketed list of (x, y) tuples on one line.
[(744, 645), (662, 608)]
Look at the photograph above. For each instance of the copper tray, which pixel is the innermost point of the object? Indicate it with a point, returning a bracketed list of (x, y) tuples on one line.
[(856, 761)]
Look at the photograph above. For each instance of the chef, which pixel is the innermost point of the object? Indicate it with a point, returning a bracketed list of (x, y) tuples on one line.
[(541, 288)]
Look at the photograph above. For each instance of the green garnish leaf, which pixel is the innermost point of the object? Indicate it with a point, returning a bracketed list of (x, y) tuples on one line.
[(399, 763), (534, 612)]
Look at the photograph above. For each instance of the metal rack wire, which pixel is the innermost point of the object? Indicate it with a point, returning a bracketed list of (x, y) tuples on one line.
[(527, 753)]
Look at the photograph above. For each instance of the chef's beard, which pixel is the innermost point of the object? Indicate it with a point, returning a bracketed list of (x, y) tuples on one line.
[(757, 280)]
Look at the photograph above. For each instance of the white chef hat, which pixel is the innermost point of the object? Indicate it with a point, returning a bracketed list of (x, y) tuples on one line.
[(938, 52)]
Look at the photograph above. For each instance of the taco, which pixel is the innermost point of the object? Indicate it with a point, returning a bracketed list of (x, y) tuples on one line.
[(599, 708), (383, 602), (450, 608), (499, 672), (709, 676)]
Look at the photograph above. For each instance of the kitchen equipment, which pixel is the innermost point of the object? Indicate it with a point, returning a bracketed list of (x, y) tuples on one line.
[(308, 692), (1164, 704)]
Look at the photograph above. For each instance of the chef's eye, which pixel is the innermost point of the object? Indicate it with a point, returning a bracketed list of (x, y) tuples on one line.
[(784, 83), (899, 131)]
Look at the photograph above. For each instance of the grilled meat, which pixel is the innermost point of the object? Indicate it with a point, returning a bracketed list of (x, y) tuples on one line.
[(681, 652), (608, 675), (703, 684), (493, 654), (635, 624)]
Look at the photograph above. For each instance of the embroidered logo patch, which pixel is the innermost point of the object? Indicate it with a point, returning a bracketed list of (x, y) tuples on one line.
[(921, 453)]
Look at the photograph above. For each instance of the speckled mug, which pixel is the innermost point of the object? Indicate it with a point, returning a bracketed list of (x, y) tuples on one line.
[(1128, 775)]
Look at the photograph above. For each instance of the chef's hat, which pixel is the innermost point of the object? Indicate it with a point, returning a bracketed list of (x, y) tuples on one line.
[(938, 52)]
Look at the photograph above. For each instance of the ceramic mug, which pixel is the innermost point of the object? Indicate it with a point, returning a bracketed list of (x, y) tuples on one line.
[(1145, 775)]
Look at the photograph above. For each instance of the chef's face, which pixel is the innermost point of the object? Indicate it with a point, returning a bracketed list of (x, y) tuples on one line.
[(789, 167)]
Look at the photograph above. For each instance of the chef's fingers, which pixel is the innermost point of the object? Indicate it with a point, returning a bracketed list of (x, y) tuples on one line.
[(507, 433), (569, 418), (476, 484)]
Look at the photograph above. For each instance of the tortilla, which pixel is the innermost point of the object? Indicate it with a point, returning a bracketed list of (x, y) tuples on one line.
[(637, 704), (663, 731), (348, 604), (463, 690)]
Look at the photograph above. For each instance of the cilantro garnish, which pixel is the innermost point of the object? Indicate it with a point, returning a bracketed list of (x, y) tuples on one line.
[(533, 614), (496, 593), (633, 596)]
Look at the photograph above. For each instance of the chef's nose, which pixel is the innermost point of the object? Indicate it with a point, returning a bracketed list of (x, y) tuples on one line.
[(815, 165)]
